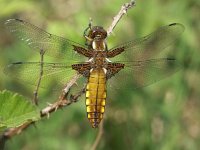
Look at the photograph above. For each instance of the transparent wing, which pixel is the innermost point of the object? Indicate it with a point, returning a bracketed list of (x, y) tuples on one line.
[(39, 39), (143, 73), (53, 73), (142, 57), (150, 46)]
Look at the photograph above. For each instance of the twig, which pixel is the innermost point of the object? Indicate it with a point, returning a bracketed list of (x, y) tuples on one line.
[(71, 83), (75, 97), (61, 102), (44, 112), (99, 136), (13, 131), (122, 12), (35, 98), (89, 27)]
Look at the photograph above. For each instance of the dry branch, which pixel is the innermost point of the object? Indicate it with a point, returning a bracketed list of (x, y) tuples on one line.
[(120, 14), (61, 102), (35, 98)]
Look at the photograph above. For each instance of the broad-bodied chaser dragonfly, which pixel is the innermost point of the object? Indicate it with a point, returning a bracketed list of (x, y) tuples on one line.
[(138, 61)]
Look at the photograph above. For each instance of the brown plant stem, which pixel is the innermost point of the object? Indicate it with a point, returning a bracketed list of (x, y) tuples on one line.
[(35, 98), (98, 137), (45, 112), (120, 14)]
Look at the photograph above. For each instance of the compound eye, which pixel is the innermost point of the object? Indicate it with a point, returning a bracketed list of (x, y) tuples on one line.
[(104, 34), (97, 32)]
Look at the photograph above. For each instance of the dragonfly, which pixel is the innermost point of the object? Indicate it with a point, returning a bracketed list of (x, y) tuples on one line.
[(140, 62)]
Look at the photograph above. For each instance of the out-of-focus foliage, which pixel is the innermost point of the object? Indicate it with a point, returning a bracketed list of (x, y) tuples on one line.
[(15, 110), (163, 116)]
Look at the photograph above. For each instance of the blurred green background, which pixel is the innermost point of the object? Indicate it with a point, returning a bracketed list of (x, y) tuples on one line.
[(163, 116)]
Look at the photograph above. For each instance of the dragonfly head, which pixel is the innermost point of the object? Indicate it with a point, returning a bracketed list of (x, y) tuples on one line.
[(96, 37), (96, 33)]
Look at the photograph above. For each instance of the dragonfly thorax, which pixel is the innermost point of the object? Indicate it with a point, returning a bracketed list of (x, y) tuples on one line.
[(99, 59), (99, 45)]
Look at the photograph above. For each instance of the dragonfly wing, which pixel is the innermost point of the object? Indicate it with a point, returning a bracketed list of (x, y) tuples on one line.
[(39, 39), (143, 73), (29, 72), (150, 46)]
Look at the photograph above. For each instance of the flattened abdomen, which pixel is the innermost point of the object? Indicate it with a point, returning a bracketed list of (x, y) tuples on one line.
[(96, 96)]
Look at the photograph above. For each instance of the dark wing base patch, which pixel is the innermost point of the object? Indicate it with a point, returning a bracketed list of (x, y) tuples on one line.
[(113, 68), (83, 69)]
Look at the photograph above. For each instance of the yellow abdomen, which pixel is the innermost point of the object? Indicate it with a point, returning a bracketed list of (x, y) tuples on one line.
[(96, 96)]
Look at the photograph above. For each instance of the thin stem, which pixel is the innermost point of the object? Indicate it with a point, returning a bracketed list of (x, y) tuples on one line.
[(99, 137), (120, 14), (75, 97), (35, 98)]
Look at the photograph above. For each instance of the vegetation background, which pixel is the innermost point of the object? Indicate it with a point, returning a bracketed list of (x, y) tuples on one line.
[(163, 116)]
